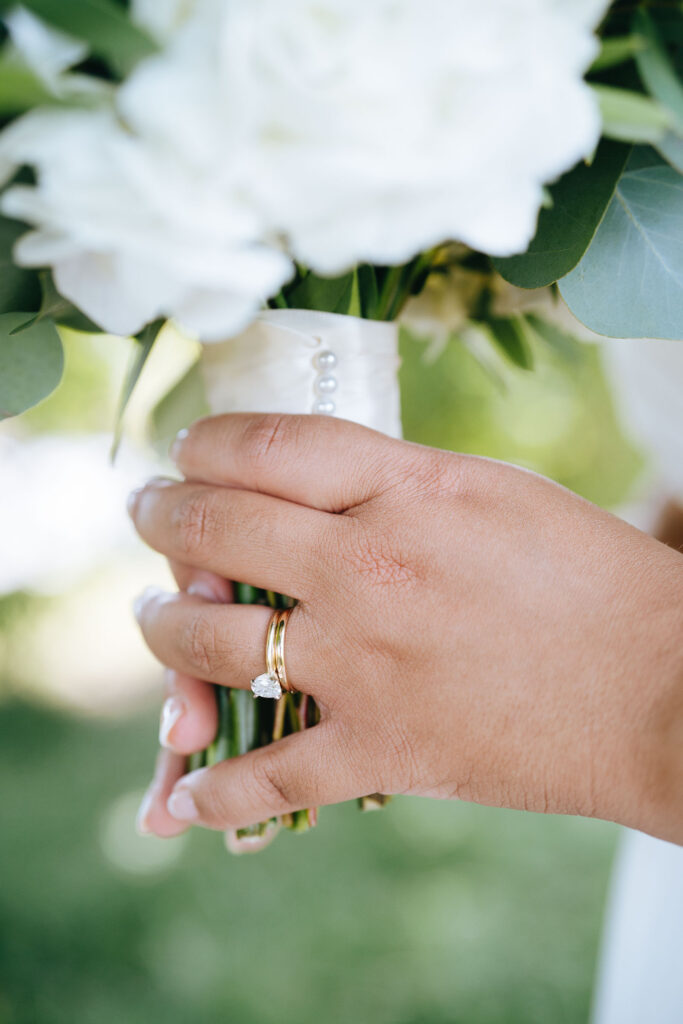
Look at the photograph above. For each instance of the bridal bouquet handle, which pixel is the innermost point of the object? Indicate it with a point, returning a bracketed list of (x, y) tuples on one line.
[(295, 361)]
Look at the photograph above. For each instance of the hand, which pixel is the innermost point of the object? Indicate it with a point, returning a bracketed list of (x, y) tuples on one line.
[(468, 629)]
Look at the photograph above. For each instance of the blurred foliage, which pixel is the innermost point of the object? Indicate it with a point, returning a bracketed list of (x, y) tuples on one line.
[(425, 913), (557, 420)]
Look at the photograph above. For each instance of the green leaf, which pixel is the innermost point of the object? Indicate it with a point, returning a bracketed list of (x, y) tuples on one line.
[(565, 230), (630, 116), (511, 337), (326, 294), (54, 306), (20, 88), (656, 68), (104, 25), (184, 403), (629, 284), (19, 288), (671, 148), (31, 364), (145, 343), (560, 341), (355, 307), (369, 292), (617, 50)]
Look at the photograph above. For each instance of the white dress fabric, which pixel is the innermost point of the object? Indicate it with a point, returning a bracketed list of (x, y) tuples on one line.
[(641, 973)]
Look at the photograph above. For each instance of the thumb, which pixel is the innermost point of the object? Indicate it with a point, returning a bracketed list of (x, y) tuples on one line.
[(306, 769)]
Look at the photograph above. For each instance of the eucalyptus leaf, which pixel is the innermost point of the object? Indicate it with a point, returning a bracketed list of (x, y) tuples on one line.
[(55, 307), (31, 364), (630, 116), (629, 284), (565, 230), (19, 288), (103, 24)]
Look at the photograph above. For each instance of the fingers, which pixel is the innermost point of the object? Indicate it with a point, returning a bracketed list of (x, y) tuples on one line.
[(327, 464), (220, 643), (153, 816), (206, 584), (235, 534), (307, 769), (189, 716)]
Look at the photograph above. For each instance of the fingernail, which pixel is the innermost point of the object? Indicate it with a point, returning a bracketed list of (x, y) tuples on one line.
[(141, 826), (147, 595), (177, 445), (171, 713), (202, 588), (132, 501), (181, 805)]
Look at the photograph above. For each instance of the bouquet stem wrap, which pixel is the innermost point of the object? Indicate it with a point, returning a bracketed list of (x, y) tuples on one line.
[(291, 361)]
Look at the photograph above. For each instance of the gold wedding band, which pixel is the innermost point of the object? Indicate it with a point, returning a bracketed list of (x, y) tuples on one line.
[(274, 680), (281, 619)]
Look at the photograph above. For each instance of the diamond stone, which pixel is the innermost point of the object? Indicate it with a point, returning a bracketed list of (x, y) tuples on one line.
[(266, 686)]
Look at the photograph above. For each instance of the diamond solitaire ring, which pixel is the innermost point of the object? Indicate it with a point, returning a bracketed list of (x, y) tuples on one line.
[(273, 681)]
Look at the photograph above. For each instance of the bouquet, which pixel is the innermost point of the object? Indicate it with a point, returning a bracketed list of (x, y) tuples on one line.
[(288, 180)]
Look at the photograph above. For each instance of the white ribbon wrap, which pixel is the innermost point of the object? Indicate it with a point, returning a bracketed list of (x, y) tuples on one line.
[(273, 367)]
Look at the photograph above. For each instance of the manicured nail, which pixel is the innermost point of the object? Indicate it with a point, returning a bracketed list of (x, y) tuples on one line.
[(181, 805), (203, 589), (171, 713), (177, 445), (147, 595), (141, 825), (132, 501)]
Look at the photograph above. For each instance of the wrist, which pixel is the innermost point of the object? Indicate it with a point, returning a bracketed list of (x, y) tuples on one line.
[(655, 773)]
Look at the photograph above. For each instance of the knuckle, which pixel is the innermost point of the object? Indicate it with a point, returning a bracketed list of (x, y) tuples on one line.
[(196, 521), (266, 439), (199, 645), (269, 781)]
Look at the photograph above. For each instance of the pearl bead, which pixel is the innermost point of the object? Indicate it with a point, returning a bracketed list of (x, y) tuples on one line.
[(326, 361), (324, 408), (326, 386)]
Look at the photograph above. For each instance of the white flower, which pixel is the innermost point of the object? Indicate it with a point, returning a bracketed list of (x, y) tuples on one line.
[(133, 233), (380, 127), (47, 51), (161, 18), (338, 131)]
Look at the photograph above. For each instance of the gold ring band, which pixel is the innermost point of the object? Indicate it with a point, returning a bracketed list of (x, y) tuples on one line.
[(281, 620), (274, 681)]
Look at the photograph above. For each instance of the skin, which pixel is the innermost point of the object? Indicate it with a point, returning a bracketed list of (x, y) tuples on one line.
[(469, 630)]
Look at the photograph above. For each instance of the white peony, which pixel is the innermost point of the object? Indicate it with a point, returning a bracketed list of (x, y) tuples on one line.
[(381, 128), (330, 131)]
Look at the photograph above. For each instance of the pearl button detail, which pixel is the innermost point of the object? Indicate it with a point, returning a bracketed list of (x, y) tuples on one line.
[(326, 361), (322, 408), (326, 385)]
